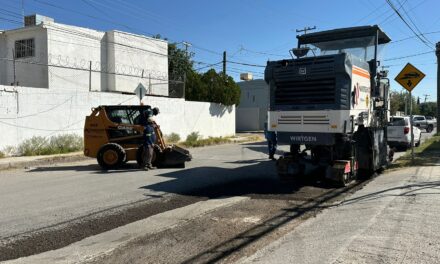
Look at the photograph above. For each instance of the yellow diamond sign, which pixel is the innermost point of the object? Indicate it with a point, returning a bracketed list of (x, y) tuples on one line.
[(409, 77)]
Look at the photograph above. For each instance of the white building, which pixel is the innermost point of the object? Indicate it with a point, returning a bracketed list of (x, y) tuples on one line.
[(254, 103), (62, 71), (56, 56)]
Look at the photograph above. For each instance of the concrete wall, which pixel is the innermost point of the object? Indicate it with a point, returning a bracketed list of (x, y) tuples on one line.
[(254, 103), (247, 119), (26, 74), (137, 55), (119, 60), (28, 111), (75, 47)]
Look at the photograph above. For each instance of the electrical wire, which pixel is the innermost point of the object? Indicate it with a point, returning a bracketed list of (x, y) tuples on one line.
[(247, 64), (409, 56), (418, 34)]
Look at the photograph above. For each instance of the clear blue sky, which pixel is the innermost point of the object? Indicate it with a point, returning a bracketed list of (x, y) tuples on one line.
[(251, 31)]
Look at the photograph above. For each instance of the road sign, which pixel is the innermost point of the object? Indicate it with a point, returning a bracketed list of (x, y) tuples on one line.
[(409, 77), (140, 91)]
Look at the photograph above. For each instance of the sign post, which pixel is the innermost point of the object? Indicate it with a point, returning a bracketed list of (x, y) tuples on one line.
[(140, 91), (409, 77)]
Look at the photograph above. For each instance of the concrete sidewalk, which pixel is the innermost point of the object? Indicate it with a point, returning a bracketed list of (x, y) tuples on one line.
[(393, 219)]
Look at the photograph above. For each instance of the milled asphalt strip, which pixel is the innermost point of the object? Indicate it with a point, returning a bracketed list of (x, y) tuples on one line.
[(105, 243)]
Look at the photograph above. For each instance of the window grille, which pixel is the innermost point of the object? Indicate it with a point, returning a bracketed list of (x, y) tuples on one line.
[(24, 48)]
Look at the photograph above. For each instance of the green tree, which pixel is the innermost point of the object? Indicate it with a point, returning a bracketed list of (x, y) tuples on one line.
[(221, 89), (428, 109), (207, 87), (397, 103)]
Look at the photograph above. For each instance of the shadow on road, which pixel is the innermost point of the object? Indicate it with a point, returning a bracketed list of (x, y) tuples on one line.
[(255, 178), (259, 147)]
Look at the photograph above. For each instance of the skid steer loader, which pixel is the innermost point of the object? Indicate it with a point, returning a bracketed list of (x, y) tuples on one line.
[(113, 134)]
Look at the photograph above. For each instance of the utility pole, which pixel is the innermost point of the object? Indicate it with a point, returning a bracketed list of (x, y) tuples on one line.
[(426, 97), (437, 53), (412, 124), (22, 11), (305, 29), (186, 44), (224, 65)]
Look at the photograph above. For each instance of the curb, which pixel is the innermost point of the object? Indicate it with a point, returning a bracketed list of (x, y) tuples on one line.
[(38, 161)]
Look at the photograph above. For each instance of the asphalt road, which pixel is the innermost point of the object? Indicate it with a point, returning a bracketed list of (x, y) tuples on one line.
[(46, 197)]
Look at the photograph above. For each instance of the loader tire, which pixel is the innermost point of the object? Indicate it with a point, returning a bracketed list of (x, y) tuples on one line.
[(111, 156)]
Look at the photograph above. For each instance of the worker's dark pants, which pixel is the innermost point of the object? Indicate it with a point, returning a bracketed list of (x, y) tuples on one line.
[(272, 145), (148, 155)]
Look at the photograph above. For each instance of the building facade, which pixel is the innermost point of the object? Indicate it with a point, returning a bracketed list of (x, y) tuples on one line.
[(251, 114), (46, 54)]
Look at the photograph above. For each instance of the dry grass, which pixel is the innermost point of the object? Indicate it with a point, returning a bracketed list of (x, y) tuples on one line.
[(194, 141), (427, 154)]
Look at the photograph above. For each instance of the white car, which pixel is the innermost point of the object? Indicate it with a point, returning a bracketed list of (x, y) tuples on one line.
[(399, 132)]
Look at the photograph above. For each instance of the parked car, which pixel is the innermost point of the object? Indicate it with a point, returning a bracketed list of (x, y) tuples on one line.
[(422, 123), (399, 132), (432, 119)]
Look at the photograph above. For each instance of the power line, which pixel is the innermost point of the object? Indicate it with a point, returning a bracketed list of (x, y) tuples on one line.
[(407, 24), (409, 56), (247, 64), (207, 66)]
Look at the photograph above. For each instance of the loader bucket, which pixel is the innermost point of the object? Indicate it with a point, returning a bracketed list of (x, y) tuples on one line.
[(174, 156)]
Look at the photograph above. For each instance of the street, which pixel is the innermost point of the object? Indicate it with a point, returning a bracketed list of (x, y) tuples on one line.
[(51, 207)]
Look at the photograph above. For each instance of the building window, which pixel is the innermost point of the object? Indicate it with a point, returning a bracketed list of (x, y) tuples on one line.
[(24, 48)]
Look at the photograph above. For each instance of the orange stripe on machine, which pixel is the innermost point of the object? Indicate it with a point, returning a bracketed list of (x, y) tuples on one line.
[(360, 72)]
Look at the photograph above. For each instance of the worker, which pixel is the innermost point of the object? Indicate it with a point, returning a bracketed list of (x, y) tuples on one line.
[(271, 137), (148, 145)]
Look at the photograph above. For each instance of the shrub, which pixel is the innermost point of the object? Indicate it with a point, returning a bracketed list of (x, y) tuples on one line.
[(192, 138), (172, 138), (2, 155), (33, 146), (55, 145), (65, 143)]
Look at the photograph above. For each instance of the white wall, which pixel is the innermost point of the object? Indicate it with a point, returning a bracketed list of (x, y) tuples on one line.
[(75, 47), (119, 59), (137, 55), (26, 74), (42, 112)]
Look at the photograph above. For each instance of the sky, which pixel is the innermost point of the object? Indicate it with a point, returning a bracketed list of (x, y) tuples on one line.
[(253, 31)]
